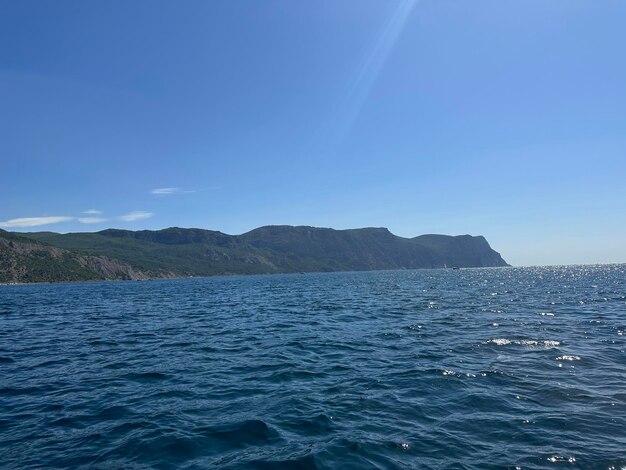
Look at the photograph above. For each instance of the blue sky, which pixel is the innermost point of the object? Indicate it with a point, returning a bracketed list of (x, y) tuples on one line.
[(500, 118)]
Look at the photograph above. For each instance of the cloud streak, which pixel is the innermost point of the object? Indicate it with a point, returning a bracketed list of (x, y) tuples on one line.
[(136, 215), (162, 191), (34, 221), (92, 218), (172, 190)]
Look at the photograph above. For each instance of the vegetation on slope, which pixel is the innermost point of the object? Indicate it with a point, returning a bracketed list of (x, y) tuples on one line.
[(26, 260), (272, 249)]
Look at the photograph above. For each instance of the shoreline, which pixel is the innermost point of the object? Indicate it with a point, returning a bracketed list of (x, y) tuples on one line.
[(2, 284), (242, 274)]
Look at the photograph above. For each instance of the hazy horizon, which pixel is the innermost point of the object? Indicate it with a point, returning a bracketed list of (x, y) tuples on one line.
[(501, 119)]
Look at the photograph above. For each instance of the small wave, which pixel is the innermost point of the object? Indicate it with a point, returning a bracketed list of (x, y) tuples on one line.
[(146, 376), (304, 463), (320, 424), (113, 412), (525, 342), (500, 341), (65, 421), (568, 358), (16, 391), (102, 342), (470, 375), (289, 375), (253, 431), (52, 363), (560, 458)]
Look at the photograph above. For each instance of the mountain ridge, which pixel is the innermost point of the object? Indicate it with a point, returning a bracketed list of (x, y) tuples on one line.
[(176, 251)]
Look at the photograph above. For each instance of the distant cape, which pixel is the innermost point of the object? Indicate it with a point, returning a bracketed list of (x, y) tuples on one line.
[(183, 252)]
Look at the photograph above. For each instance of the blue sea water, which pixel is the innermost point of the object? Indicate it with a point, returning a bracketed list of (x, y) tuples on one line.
[(472, 368)]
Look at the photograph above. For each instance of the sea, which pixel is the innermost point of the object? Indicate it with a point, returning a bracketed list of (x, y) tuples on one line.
[(444, 369)]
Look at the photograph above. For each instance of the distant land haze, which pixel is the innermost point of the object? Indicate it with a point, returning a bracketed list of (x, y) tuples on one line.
[(180, 252)]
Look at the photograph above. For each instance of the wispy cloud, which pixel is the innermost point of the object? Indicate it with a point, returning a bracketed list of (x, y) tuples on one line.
[(34, 221), (172, 190), (92, 212), (91, 220), (136, 215), (165, 191)]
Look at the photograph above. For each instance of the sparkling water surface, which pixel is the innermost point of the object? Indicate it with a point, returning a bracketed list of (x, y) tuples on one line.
[(471, 368)]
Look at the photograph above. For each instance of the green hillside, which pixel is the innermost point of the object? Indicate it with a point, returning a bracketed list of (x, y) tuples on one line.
[(161, 258), (271, 249), (23, 259)]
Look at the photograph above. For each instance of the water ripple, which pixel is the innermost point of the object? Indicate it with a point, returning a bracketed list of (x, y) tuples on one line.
[(473, 368)]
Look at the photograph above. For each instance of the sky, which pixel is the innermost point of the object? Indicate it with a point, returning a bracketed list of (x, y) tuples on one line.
[(498, 118)]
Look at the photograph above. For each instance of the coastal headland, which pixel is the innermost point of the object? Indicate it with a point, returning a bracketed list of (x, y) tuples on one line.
[(181, 252)]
